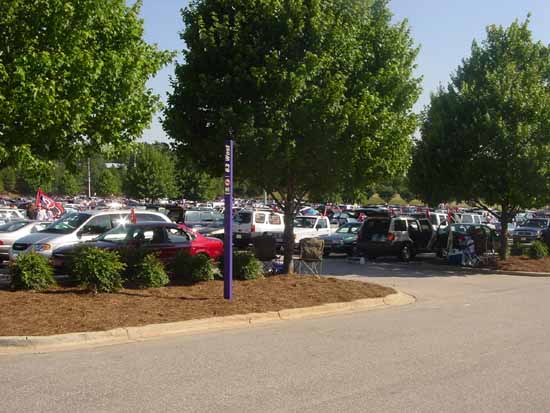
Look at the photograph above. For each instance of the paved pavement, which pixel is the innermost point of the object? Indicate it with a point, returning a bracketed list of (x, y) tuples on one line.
[(471, 343)]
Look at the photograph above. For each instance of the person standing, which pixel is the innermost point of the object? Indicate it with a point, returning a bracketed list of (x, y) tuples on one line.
[(41, 215)]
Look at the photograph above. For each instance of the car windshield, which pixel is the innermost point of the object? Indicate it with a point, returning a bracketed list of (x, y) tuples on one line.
[(243, 218), (377, 226), (68, 223), (304, 222), (12, 226), (535, 223), (348, 228)]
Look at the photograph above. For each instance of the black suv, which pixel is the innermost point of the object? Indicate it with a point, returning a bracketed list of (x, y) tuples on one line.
[(399, 236)]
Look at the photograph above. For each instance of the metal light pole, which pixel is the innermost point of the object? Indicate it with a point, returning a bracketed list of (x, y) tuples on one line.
[(228, 227), (89, 179)]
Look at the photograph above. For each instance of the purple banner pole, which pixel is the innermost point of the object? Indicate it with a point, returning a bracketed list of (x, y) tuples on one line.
[(228, 227)]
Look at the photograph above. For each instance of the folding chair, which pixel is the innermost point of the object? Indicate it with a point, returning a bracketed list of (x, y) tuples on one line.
[(265, 249), (311, 256)]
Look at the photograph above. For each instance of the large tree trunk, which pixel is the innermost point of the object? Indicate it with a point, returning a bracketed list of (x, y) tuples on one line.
[(504, 220), (288, 239)]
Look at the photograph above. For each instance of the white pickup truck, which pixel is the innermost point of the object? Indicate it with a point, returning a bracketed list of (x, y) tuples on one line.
[(306, 226)]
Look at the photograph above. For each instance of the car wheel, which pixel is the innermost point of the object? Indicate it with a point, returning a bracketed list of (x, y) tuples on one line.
[(406, 253)]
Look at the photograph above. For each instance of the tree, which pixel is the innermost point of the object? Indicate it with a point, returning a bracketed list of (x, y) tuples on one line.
[(486, 137), (73, 78), (313, 92), (108, 183), (9, 178), (69, 183), (151, 173)]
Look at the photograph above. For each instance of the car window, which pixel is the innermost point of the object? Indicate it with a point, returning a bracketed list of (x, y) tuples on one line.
[(467, 219), (274, 219), (259, 218), (354, 229), (376, 226), (176, 235), (413, 226), (243, 218), (425, 226), (149, 235), (192, 216), (67, 224), (98, 225), (304, 222), (399, 225), (322, 224), (477, 219), (13, 226), (148, 218)]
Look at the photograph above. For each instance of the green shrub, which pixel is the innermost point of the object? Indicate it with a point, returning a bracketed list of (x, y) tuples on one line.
[(150, 273), (98, 270), (31, 272), (538, 250), (133, 258), (246, 266), (517, 250), (193, 268)]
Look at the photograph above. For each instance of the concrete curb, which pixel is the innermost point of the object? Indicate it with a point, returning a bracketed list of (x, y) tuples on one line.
[(474, 271), (19, 344)]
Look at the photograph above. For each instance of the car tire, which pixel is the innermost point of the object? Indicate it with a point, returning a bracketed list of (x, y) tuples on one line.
[(406, 253)]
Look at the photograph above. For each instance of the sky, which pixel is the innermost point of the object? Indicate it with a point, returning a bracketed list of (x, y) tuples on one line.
[(444, 30)]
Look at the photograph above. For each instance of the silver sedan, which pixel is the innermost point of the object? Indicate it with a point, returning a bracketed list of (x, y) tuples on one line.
[(13, 230)]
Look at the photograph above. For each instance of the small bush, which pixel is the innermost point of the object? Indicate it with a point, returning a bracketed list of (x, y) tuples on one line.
[(246, 266), (517, 250), (194, 268), (31, 272), (98, 270), (538, 250), (150, 273), (133, 258)]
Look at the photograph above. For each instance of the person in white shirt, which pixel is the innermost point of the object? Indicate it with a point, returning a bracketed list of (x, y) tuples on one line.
[(42, 215)]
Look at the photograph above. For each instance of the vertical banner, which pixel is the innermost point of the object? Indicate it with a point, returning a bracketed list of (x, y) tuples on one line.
[(228, 227)]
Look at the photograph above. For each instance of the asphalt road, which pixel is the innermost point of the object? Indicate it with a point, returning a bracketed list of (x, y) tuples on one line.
[(470, 343)]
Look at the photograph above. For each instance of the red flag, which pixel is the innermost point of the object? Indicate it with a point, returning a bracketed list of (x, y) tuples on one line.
[(46, 202), (133, 217)]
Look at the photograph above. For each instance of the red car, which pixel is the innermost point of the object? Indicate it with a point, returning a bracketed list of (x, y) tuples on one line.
[(165, 239), (213, 247)]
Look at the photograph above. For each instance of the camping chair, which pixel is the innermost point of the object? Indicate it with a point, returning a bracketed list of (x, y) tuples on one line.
[(265, 249), (311, 256)]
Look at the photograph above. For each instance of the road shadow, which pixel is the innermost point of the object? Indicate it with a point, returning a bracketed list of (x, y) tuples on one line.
[(392, 267)]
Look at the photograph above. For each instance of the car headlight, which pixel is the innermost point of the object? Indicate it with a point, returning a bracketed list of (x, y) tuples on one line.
[(42, 247)]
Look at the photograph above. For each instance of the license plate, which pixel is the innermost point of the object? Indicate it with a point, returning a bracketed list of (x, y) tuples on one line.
[(238, 236)]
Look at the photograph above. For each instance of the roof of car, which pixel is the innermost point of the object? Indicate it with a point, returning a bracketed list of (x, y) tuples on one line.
[(150, 224), (119, 211)]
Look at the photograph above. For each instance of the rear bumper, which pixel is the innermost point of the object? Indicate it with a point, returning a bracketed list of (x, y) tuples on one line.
[(379, 249)]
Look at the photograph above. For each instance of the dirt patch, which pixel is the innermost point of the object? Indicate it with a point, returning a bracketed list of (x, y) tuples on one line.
[(524, 264), (69, 309)]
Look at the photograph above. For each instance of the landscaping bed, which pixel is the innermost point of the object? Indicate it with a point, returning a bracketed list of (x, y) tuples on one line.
[(66, 309), (525, 264)]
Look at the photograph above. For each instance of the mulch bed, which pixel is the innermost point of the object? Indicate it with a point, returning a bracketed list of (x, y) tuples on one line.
[(69, 309), (525, 264)]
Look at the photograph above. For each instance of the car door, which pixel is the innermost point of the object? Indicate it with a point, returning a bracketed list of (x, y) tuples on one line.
[(414, 232), (175, 240), (426, 233), (322, 226)]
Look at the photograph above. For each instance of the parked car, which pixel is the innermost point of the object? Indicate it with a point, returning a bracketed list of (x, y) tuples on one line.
[(14, 230), (343, 241), (10, 214), (248, 224), (460, 231), (307, 227), (163, 238), (401, 236), (78, 227), (531, 230)]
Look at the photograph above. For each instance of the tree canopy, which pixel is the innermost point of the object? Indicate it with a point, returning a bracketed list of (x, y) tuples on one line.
[(73, 78), (313, 92), (151, 173), (486, 137)]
